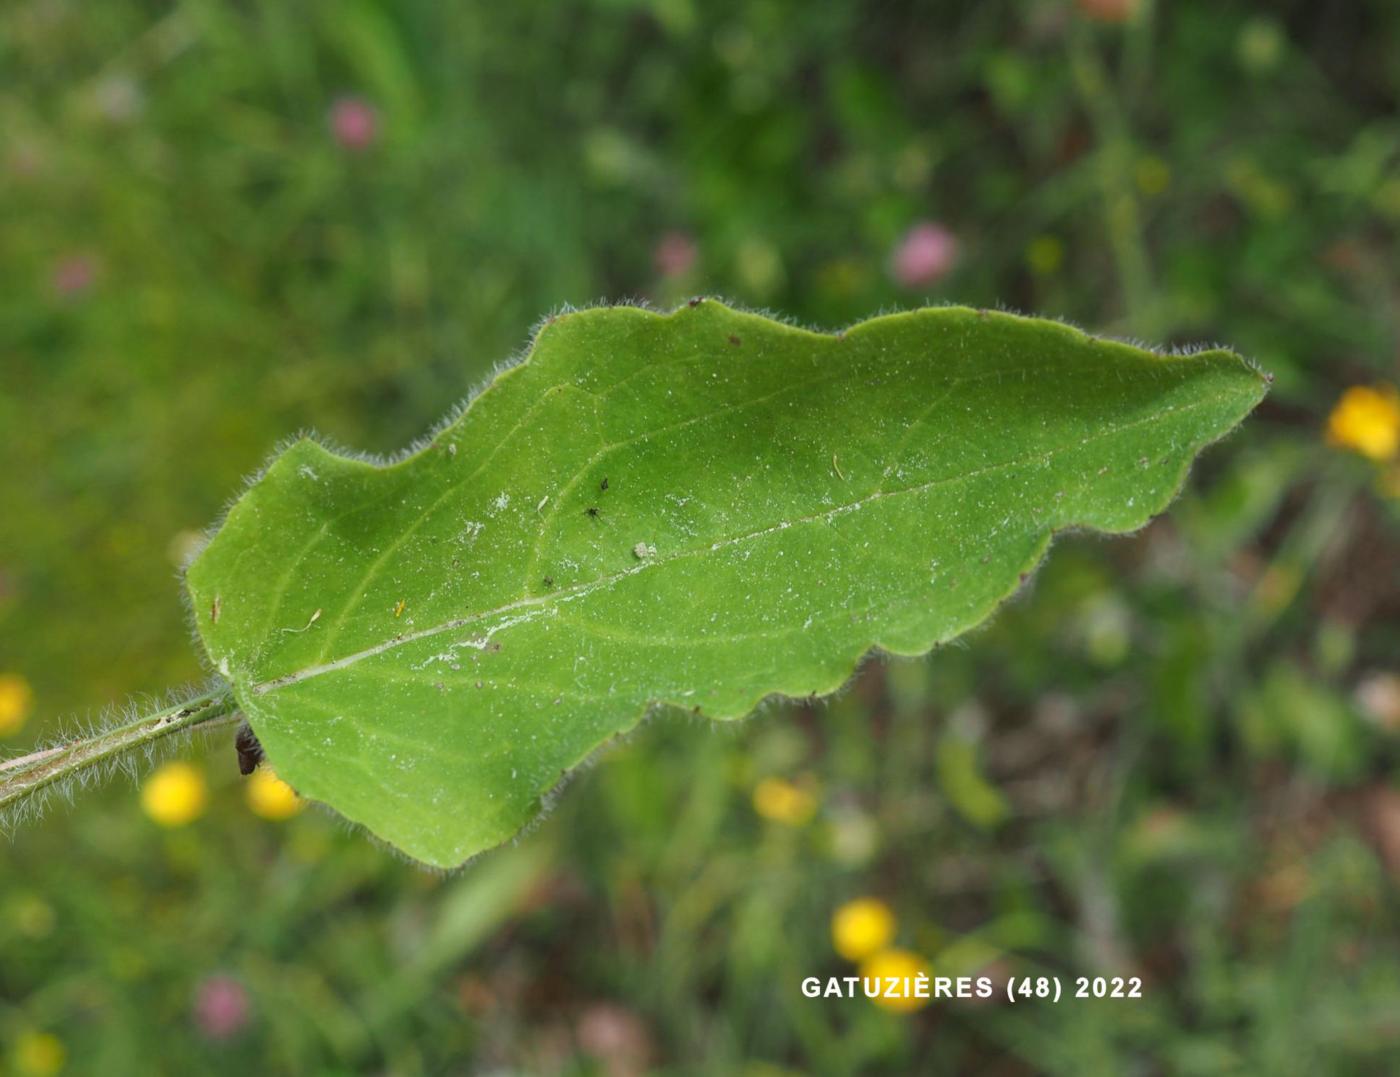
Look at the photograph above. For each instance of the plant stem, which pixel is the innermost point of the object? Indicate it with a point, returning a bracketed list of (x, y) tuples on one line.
[(27, 775), (1122, 218)]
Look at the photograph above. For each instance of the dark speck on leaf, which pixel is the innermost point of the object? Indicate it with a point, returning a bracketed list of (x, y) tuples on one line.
[(592, 510), (734, 340), (696, 301), (604, 484), (549, 581)]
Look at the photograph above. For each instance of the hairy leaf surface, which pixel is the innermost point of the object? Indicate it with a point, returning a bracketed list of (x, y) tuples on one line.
[(694, 510)]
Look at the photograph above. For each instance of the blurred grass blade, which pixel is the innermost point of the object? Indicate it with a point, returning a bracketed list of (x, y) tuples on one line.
[(696, 510), (471, 909)]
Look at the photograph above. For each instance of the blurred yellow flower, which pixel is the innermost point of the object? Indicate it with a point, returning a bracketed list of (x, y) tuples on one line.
[(904, 967), (175, 794), (781, 801), (39, 1054), (16, 700), (269, 797), (1367, 419), (861, 927)]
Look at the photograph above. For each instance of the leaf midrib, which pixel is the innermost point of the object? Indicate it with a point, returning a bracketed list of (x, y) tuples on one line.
[(587, 587), (334, 628)]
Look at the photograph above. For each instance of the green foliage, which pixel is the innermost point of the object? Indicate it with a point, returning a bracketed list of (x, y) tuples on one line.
[(1198, 172), (696, 510)]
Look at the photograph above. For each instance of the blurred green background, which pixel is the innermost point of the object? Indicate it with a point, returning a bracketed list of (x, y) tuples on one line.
[(1174, 756)]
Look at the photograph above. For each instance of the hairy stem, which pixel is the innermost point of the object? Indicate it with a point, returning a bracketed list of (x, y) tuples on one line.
[(28, 775)]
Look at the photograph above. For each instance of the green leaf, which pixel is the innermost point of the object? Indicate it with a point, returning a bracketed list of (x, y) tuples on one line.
[(694, 510)]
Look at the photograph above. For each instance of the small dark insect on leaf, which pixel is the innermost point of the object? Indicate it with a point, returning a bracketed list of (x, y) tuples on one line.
[(696, 301), (603, 485), (592, 510), (250, 752), (549, 581), (734, 340)]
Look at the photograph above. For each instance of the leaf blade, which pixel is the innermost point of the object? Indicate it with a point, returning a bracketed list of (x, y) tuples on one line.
[(698, 510)]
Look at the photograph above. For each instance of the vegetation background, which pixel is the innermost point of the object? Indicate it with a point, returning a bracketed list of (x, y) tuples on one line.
[(1174, 756)]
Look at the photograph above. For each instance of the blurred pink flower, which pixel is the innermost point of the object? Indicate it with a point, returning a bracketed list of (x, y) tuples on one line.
[(615, 1037), (73, 274), (925, 255), (1108, 10), (354, 123), (675, 254), (221, 1007)]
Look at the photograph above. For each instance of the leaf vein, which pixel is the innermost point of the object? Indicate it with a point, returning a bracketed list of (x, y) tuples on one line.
[(582, 590)]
